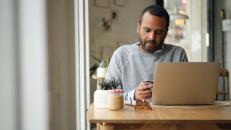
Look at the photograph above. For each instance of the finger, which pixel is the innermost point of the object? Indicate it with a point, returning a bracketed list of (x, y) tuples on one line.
[(147, 86), (141, 86), (151, 85), (146, 91), (145, 96)]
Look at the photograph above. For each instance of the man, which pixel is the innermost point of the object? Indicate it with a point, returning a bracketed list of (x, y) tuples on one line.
[(132, 64)]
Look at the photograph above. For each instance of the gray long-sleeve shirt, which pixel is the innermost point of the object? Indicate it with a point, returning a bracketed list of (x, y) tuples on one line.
[(129, 65)]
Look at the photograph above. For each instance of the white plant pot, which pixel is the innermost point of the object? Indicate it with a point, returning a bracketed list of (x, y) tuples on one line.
[(101, 98)]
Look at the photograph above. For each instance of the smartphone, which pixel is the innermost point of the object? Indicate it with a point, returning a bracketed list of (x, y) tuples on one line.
[(149, 81)]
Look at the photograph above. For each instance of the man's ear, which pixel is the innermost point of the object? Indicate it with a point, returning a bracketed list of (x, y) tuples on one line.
[(138, 28), (166, 33)]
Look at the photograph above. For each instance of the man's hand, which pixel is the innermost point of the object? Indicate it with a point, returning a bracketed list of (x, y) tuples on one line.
[(144, 90)]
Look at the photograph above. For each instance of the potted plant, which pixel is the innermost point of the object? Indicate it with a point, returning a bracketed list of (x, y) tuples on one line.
[(101, 94)]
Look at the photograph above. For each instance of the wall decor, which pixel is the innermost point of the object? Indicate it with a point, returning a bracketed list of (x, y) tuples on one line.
[(119, 2), (102, 3)]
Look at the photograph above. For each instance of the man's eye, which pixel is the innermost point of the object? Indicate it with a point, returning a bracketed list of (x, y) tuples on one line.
[(159, 32)]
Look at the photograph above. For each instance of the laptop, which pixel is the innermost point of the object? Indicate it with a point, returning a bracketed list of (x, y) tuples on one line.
[(185, 83)]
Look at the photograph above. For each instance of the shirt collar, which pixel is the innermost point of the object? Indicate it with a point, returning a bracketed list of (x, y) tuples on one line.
[(157, 51)]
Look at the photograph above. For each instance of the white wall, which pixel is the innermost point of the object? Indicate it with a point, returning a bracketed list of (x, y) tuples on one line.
[(123, 28)]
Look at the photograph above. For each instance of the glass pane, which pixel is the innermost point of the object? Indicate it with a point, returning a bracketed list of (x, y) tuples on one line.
[(188, 27)]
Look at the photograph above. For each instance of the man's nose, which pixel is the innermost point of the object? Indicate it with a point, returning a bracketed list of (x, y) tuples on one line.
[(151, 35)]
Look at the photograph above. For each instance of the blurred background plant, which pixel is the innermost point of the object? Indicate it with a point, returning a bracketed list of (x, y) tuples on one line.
[(99, 63)]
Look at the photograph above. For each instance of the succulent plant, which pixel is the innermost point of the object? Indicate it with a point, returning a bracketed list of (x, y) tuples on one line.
[(109, 84)]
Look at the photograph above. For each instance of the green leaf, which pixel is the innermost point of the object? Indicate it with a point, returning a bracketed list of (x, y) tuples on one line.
[(109, 84)]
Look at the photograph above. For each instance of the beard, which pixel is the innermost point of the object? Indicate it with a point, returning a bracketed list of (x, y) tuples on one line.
[(150, 46)]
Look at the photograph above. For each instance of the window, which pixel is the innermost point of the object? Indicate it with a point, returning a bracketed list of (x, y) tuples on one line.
[(188, 27)]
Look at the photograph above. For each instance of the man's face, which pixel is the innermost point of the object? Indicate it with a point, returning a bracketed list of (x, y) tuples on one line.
[(152, 32)]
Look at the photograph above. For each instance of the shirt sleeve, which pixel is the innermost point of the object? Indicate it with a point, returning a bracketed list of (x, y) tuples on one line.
[(183, 57), (129, 98), (114, 68), (115, 71)]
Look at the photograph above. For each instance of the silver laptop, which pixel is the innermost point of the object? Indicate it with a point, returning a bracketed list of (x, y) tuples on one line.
[(185, 83)]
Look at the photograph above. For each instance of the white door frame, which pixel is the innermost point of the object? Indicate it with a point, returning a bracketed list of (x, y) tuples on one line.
[(82, 63)]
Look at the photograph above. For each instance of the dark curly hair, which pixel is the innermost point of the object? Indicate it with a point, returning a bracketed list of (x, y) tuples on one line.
[(155, 10)]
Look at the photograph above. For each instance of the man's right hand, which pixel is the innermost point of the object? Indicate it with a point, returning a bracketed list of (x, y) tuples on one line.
[(144, 90)]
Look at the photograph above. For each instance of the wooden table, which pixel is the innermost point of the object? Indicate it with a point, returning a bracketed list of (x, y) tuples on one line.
[(162, 118)]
